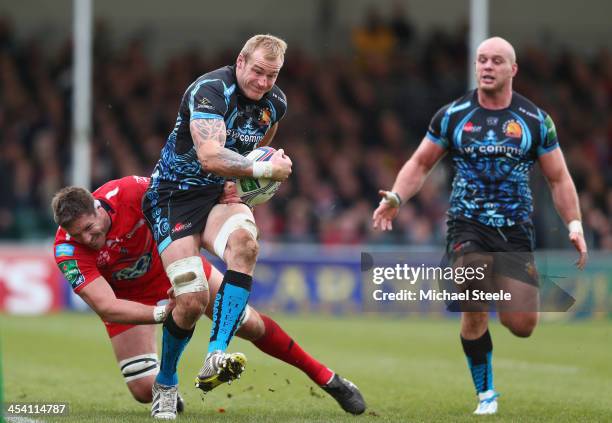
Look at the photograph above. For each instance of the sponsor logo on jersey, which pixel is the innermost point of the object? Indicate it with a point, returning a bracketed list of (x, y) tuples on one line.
[(469, 127), (181, 227), (245, 138), (64, 250), (71, 271), (492, 120), (512, 129), (205, 104), (493, 149)]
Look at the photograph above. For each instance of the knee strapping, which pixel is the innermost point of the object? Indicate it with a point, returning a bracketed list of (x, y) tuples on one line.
[(139, 366), (187, 275), (235, 222)]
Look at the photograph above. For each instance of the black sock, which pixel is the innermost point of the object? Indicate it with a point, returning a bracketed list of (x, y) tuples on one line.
[(479, 357)]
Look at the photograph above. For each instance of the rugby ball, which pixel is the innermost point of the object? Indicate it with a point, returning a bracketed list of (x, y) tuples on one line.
[(256, 191)]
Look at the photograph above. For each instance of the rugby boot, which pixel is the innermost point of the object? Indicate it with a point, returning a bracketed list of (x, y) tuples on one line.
[(220, 367), (487, 403), (346, 393), (164, 405)]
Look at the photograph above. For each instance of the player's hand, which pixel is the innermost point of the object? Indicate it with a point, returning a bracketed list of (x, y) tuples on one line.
[(230, 195), (577, 239), (171, 301), (387, 211), (281, 166)]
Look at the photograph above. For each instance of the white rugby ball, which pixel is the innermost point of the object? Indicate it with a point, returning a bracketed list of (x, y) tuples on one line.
[(256, 191)]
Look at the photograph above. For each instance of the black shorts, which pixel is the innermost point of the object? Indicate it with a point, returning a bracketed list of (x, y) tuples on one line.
[(510, 248), (174, 213)]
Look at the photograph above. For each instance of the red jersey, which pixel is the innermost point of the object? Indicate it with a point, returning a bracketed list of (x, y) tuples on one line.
[(129, 260)]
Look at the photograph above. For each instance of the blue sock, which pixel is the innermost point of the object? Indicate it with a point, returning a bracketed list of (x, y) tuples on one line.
[(174, 341), (479, 354), (230, 303)]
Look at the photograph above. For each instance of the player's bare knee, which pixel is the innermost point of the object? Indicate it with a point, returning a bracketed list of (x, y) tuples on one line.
[(192, 305), (243, 247), (521, 330), (141, 390), (521, 325)]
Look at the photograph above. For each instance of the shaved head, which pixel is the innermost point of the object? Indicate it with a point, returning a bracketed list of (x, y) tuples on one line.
[(499, 46), (495, 68)]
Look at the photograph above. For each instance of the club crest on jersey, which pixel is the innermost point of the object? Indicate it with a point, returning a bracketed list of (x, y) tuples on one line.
[(469, 127), (265, 117), (512, 129)]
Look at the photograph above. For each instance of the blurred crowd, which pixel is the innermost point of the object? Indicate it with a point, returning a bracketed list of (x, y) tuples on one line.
[(352, 121)]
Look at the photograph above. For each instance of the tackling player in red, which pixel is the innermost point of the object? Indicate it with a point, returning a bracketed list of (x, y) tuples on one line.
[(107, 253)]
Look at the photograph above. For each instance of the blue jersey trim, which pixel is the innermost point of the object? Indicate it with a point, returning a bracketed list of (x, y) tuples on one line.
[(439, 141), (227, 92), (163, 245), (232, 118), (458, 108), (542, 150), (459, 128), (200, 115)]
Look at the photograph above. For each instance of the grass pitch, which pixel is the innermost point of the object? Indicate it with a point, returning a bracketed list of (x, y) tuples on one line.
[(409, 369)]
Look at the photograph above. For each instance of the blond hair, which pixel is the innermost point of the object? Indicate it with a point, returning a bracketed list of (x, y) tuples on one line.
[(273, 46)]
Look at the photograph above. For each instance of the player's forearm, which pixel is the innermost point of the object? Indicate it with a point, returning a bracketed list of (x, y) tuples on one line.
[(127, 312), (565, 198), (227, 163), (410, 179)]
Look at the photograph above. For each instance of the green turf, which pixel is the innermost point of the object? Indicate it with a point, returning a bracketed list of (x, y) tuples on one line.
[(408, 369)]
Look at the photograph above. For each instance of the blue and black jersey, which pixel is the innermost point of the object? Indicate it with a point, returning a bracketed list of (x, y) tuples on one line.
[(215, 95), (492, 153)]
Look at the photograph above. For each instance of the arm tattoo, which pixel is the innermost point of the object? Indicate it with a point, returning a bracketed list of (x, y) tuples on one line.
[(228, 162), (204, 130), (235, 164)]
